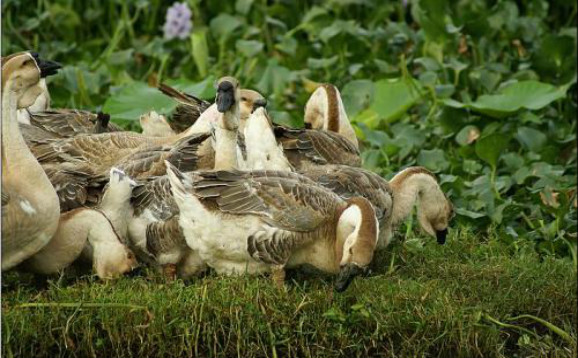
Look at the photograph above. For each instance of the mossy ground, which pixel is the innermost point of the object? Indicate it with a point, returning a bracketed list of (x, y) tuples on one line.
[(421, 300)]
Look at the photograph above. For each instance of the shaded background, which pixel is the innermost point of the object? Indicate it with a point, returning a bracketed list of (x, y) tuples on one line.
[(480, 92)]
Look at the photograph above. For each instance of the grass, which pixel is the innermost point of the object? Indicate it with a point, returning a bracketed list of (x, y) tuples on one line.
[(458, 300)]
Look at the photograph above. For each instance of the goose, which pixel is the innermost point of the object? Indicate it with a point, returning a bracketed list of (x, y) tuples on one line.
[(30, 208), (265, 221), (43, 100), (154, 229), (188, 112), (418, 186), (325, 111), (94, 232)]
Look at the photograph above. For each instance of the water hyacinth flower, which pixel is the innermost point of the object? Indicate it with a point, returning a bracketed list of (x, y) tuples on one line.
[(178, 21)]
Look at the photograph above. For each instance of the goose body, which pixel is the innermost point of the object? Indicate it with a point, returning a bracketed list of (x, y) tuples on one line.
[(30, 208), (253, 222), (83, 229)]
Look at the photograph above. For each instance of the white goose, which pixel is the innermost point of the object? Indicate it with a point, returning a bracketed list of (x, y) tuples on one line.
[(253, 222), (30, 208)]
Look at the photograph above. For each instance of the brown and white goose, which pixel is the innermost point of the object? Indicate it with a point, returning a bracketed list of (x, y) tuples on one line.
[(96, 232), (325, 111), (154, 229), (30, 209), (253, 222)]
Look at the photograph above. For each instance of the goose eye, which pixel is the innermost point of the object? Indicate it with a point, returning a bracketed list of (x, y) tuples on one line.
[(244, 99)]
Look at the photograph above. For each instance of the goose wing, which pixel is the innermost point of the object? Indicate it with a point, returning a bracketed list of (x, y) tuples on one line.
[(348, 182), (76, 185), (67, 123), (316, 146), (164, 237), (290, 205), (149, 161), (188, 111), (154, 195)]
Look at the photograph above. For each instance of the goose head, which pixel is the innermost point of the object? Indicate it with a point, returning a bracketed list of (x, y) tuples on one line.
[(263, 151), (417, 185), (434, 213), (325, 111), (357, 232), (250, 102), (21, 74)]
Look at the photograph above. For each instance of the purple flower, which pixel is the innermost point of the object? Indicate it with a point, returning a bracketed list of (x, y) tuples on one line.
[(404, 3), (178, 21)]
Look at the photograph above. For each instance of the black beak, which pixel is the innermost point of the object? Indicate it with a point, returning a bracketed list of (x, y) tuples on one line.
[(47, 68), (225, 96), (261, 102), (346, 276), (441, 236)]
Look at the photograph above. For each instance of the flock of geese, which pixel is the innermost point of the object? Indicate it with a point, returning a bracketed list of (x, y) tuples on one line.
[(219, 186)]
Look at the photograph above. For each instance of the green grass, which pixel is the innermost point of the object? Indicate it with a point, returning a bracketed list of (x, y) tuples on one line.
[(455, 300)]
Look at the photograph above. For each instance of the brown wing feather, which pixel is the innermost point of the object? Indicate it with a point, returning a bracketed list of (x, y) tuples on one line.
[(164, 236), (285, 200), (304, 146), (155, 195), (348, 182)]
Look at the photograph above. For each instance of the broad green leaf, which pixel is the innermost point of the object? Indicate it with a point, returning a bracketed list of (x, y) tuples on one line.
[(357, 95), (249, 48), (490, 147), (317, 63), (243, 6), (138, 98), (394, 97), (200, 50), (435, 160), (274, 78), (531, 138), (224, 24), (532, 95)]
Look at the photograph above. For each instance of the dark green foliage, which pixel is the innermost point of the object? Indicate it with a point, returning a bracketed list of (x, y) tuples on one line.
[(482, 93)]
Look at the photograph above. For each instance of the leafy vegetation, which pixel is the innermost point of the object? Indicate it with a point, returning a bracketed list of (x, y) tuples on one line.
[(464, 299), (483, 93)]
